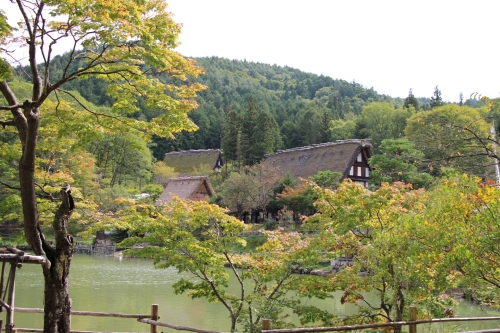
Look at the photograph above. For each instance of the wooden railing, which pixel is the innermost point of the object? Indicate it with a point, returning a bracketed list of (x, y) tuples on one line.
[(152, 320), (411, 323), (153, 316)]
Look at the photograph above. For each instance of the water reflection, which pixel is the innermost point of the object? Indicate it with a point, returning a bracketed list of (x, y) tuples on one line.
[(130, 285)]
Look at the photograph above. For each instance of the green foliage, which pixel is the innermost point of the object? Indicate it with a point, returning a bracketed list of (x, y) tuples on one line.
[(250, 189), (379, 121), (398, 161), (5, 32), (411, 101), (436, 99), (466, 227), (327, 179), (300, 199), (392, 249), (342, 129), (285, 94), (197, 238), (154, 189), (270, 224), (107, 198), (232, 128), (122, 157), (237, 192), (249, 137), (452, 136), (409, 246)]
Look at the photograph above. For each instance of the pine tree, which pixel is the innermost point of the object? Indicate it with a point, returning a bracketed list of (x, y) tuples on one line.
[(411, 101), (265, 138), (232, 127), (436, 100)]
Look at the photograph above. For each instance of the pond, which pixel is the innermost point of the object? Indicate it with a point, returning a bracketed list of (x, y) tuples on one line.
[(131, 285)]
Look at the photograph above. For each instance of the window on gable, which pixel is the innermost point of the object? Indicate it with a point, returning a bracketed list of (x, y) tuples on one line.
[(359, 158)]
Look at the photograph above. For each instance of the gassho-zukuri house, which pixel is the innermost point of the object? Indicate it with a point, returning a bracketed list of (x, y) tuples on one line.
[(188, 160), (194, 188), (349, 157)]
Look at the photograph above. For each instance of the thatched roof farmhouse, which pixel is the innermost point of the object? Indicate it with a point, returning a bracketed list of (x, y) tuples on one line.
[(192, 188), (188, 160), (349, 157)]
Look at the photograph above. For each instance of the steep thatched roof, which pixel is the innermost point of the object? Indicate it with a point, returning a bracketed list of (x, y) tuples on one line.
[(185, 188), (187, 160), (304, 162)]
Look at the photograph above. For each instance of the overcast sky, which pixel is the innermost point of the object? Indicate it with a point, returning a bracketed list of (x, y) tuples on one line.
[(390, 45)]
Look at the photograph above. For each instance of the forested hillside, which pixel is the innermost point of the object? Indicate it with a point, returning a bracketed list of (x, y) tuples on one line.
[(301, 104)]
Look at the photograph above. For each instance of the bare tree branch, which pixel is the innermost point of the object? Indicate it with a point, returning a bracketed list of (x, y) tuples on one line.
[(7, 123), (10, 186), (97, 114)]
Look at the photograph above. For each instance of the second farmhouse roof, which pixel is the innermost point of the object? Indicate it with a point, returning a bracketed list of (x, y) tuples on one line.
[(192, 188), (187, 160), (338, 156)]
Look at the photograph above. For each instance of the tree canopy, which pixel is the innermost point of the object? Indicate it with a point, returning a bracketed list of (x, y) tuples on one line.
[(452, 136), (128, 44)]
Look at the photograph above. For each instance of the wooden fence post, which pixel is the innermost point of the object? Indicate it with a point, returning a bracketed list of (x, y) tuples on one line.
[(9, 318), (412, 310), (266, 324), (154, 316)]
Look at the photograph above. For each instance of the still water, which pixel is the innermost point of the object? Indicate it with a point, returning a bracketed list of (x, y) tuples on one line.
[(131, 285)]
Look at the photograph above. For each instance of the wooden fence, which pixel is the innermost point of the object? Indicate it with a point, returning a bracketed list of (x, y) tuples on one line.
[(152, 320), (411, 323), (153, 316)]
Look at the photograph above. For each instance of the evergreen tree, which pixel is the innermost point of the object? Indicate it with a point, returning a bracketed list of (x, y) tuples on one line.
[(461, 96), (250, 126), (411, 100), (265, 139), (249, 137), (232, 127), (436, 100)]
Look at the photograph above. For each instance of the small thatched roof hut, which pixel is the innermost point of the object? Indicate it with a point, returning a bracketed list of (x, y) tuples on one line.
[(192, 188), (187, 160), (349, 157)]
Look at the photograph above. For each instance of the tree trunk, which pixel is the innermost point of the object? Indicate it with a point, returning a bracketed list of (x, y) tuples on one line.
[(57, 307), (56, 269)]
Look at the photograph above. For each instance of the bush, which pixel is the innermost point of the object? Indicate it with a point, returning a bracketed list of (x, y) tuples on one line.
[(270, 224)]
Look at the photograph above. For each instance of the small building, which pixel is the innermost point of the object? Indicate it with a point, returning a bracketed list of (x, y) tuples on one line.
[(188, 160), (349, 157), (192, 188)]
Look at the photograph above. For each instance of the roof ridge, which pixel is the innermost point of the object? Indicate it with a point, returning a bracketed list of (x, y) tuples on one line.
[(325, 144), (189, 177), (193, 151)]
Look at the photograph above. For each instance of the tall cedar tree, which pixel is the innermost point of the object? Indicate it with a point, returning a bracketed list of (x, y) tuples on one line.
[(250, 136), (411, 100), (436, 100), (232, 127)]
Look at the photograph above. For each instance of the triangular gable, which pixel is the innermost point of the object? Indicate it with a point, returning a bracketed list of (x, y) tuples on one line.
[(192, 188), (304, 162)]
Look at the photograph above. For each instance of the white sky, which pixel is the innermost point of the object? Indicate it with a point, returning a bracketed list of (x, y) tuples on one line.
[(390, 45)]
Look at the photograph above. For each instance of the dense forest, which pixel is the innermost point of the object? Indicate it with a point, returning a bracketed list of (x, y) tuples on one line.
[(302, 108), (301, 104)]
